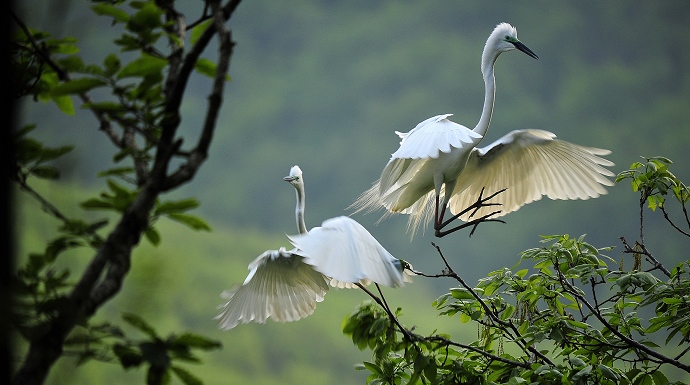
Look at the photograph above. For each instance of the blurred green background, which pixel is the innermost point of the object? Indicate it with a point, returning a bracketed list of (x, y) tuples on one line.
[(324, 84)]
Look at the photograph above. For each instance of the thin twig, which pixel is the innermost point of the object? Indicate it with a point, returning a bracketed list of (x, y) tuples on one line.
[(668, 219), (631, 342), (650, 258), (507, 326)]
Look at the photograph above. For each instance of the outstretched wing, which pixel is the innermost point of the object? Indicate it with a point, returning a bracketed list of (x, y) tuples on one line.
[(432, 136), (345, 251), (530, 164), (279, 286)]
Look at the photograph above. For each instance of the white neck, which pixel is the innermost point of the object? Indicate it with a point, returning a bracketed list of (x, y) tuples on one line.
[(488, 59), (299, 210)]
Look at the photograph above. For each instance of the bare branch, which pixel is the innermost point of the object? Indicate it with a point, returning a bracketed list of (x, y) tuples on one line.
[(668, 219), (643, 250), (200, 153)]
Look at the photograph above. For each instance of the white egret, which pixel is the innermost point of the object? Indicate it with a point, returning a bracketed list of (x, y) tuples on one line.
[(342, 248), (286, 285), (439, 158)]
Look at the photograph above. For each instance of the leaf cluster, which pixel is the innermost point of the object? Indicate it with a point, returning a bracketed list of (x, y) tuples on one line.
[(108, 343), (138, 111), (654, 181), (566, 313)]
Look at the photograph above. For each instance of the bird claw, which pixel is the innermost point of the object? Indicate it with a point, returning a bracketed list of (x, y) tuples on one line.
[(481, 201)]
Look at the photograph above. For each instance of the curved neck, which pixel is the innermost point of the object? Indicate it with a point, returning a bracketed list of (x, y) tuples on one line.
[(299, 210), (488, 60)]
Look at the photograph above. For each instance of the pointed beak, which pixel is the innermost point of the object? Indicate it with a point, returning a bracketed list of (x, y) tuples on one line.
[(289, 178), (526, 50)]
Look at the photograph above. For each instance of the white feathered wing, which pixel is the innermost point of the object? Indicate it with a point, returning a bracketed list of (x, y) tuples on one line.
[(345, 251), (529, 164), (279, 286)]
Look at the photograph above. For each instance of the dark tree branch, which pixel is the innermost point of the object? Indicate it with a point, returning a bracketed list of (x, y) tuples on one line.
[(200, 152), (507, 326), (412, 337), (650, 258), (171, 118), (105, 274), (668, 219), (54, 211)]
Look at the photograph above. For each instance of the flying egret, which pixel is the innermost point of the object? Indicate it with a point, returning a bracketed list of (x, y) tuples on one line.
[(286, 285), (438, 159), (342, 248)]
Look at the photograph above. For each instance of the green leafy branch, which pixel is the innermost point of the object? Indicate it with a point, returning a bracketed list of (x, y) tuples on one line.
[(653, 180), (543, 321), (142, 120), (108, 343)]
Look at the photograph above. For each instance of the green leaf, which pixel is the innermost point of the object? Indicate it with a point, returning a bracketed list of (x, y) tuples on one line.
[(118, 171), (584, 372), (197, 341), (206, 67), (609, 373), (153, 236), (373, 368), (111, 64), (47, 153), (185, 376), (146, 65), (127, 356), (76, 86), (64, 103), (46, 172), (461, 293), (109, 10), (659, 378), (117, 189), (148, 17), (59, 245), (430, 370), (140, 324), (168, 207), (191, 221), (96, 204), (198, 30)]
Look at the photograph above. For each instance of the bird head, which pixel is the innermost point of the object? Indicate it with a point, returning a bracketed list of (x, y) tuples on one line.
[(504, 38), (295, 176)]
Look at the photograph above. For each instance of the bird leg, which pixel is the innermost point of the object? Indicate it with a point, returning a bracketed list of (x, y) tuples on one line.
[(438, 220), (481, 202)]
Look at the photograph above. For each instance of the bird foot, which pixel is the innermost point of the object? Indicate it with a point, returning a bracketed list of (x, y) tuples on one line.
[(440, 224)]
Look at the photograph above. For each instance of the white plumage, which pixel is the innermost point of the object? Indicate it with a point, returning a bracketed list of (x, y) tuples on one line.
[(286, 285), (438, 163), (279, 285), (532, 163), (345, 251)]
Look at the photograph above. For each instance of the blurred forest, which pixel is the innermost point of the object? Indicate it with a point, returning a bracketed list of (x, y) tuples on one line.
[(324, 84)]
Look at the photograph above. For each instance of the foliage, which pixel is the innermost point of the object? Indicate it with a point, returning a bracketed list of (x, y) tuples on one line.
[(140, 118), (566, 313), (106, 342)]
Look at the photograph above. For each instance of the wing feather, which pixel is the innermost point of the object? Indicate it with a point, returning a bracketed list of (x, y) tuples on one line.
[(530, 164), (345, 251), (280, 285), (434, 135)]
